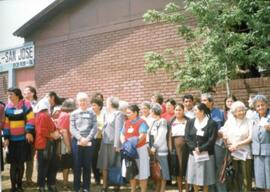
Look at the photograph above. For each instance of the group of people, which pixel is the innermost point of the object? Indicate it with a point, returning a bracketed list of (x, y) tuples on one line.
[(195, 142)]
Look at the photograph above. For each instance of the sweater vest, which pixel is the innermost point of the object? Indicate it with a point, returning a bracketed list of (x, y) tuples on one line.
[(132, 130)]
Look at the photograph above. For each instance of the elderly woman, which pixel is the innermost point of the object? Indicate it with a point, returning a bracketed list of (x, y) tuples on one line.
[(137, 127), (110, 145), (83, 128), (200, 135), (177, 143), (237, 135), (145, 109), (261, 143), (158, 145), (18, 134), (46, 135)]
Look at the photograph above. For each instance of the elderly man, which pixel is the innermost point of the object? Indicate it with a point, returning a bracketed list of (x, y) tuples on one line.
[(218, 116)]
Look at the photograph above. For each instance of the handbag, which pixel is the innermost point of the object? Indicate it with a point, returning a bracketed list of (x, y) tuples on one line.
[(131, 169), (115, 173), (227, 171), (155, 169)]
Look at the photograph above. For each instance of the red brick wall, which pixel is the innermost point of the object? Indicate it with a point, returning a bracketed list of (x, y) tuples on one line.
[(113, 63), (3, 86)]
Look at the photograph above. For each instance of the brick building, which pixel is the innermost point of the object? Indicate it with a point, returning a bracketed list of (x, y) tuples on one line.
[(99, 46)]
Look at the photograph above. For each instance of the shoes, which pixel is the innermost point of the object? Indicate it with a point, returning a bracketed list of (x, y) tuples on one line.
[(41, 190), (19, 189), (52, 188), (85, 190), (30, 183), (104, 190)]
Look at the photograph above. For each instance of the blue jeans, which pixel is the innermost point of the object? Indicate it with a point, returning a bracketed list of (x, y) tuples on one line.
[(82, 157), (47, 167)]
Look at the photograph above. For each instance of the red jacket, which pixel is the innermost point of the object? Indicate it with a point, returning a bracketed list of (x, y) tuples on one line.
[(44, 126)]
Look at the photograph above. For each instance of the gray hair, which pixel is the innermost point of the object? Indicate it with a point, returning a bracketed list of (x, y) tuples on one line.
[(209, 97), (146, 104), (236, 105), (114, 102), (123, 105), (259, 98), (156, 108)]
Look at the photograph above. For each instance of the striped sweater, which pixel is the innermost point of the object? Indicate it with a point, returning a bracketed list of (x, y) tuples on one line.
[(18, 121)]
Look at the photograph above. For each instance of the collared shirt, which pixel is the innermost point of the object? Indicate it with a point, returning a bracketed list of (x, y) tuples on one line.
[(218, 116)]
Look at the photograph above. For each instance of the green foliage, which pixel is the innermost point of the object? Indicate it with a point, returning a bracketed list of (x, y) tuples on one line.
[(229, 35)]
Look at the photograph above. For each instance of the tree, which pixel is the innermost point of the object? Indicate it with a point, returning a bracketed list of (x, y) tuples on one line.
[(229, 36)]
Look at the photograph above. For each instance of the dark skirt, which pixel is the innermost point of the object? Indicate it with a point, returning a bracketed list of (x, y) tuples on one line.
[(19, 151), (66, 161)]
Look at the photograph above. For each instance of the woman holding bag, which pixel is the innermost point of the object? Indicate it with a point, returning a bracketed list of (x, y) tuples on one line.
[(110, 144), (46, 135), (177, 143), (137, 127), (200, 135), (158, 145), (237, 135)]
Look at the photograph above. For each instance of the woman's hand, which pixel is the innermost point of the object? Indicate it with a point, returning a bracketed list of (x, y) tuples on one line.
[(55, 135), (233, 147), (83, 141), (267, 127), (153, 150), (29, 137), (6, 143)]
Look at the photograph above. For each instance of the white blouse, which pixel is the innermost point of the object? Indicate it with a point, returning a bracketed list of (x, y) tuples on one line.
[(236, 130)]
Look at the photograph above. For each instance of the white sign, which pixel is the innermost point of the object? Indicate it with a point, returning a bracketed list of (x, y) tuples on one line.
[(19, 57)]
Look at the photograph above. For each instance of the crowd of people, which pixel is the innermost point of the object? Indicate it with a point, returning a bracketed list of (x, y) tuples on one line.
[(199, 145)]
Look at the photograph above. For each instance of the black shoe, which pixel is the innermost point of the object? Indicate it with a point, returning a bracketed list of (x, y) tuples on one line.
[(19, 189), (13, 190), (52, 189), (104, 190), (41, 189)]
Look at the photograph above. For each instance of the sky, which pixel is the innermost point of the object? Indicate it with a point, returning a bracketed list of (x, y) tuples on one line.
[(15, 13)]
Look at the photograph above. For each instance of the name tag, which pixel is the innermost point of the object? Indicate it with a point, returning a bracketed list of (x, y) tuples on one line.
[(178, 130), (18, 111), (86, 115), (240, 154), (130, 130), (200, 132), (203, 156)]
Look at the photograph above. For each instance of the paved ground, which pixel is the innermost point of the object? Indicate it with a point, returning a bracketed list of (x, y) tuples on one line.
[(5, 184)]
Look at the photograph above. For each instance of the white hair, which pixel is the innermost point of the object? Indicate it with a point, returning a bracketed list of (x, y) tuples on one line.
[(236, 105), (82, 96)]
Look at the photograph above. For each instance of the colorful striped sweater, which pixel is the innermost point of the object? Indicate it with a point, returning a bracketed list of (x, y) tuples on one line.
[(18, 121)]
